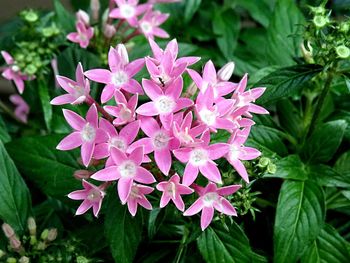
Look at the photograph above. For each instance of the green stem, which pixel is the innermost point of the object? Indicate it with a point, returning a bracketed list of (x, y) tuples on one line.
[(182, 246)]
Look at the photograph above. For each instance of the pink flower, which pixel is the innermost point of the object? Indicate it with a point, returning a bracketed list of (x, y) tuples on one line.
[(77, 90), (82, 16), (210, 79), (137, 197), (159, 141), (86, 134), (245, 98), (120, 74), (212, 198), (164, 67), (172, 190), (150, 22), (164, 103), (213, 115), (185, 133), (83, 35), (239, 152), (22, 108), (129, 10), (163, 1), (125, 110), (92, 196), (126, 170), (12, 72), (201, 159), (120, 140)]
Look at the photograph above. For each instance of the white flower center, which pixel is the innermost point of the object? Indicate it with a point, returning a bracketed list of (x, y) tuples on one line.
[(146, 27), (198, 157), (171, 189), (165, 104), (94, 195), (185, 137), (78, 90), (82, 37), (134, 194), (15, 68), (127, 169), (234, 152), (88, 133), (118, 143), (210, 198), (125, 114), (160, 140), (119, 78), (127, 11), (207, 116)]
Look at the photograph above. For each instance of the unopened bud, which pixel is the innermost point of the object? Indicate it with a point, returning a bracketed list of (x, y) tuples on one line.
[(83, 17), (109, 30), (33, 240), (342, 51), (271, 168), (24, 259), (11, 260), (44, 234), (31, 226), (307, 52), (320, 21), (191, 90), (82, 174), (31, 16), (318, 10), (263, 162), (2, 253), (15, 243), (226, 71), (52, 235), (95, 9), (8, 230), (123, 53)]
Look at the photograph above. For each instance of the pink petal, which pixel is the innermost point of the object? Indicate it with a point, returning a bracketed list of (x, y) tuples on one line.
[(107, 93), (145, 142), (85, 205), (96, 207), (190, 174), (144, 176), (124, 188), (183, 103), (152, 68), (130, 131), (152, 90), (209, 72), (149, 126), (107, 174), (132, 206), (211, 172), (115, 13), (114, 60), (147, 109), (101, 151), (206, 217), (163, 160), (99, 75), (217, 150), (194, 208), (134, 67), (118, 156), (74, 120), (66, 84), (225, 207), (145, 203), (78, 195), (164, 200), (63, 99), (257, 109), (133, 87), (196, 77), (179, 203), (87, 149), (19, 84), (183, 155), (249, 153), (137, 155), (7, 57), (92, 116), (238, 165), (175, 88), (70, 142), (228, 190)]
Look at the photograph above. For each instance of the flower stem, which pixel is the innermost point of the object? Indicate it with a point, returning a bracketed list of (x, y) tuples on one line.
[(111, 6), (89, 100), (131, 35)]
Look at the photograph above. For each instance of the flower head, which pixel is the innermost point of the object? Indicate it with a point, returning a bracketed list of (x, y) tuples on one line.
[(92, 196), (150, 22), (129, 10), (137, 197), (83, 35), (78, 91), (211, 198)]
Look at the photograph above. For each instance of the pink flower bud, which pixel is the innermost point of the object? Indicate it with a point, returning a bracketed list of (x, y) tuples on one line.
[(95, 9), (15, 243), (226, 71), (82, 174), (8, 230), (109, 30), (122, 51), (83, 17)]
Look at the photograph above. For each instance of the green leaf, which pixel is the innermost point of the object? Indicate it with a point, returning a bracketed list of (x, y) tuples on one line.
[(259, 10), (327, 176), (286, 81), (122, 231), (51, 170), (64, 18), (329, 247), (4, 136), (299, 219), (45, 102), (14, 194), (324, 141), (289, 117), (217, 244), (290, 167), (226, 25), (342, 165), (191, 8), (283, 38)]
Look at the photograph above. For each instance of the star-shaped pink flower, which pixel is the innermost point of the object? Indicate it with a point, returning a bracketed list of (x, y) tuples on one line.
[(172, 190), (150, 22), (77, 90), (83, 35), (137, 197), (211, 198), (87, 133), (92, 196), (128, 10)]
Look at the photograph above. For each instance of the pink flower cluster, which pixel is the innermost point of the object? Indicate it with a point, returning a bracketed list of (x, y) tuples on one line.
[(127, 137)]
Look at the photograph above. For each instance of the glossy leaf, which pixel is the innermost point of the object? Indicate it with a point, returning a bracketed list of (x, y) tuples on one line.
[(259, 10), (64, 18), (14, 194), (4, 136), (191, 8), (299, 219), (289, 117), (45, 102), (290, 167), (286, 81), (327, 176)]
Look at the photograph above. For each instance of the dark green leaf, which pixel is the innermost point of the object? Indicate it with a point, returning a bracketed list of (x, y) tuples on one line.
[(289, 117), (45, 102), (324, 141), (4, 136), (343, 164), (299, 219), (51, 170), (337, 199), (64, 18), (122, 231), (226, 25), (286, 81), (191, 8), (259, 10), (217, 244), (290, 167), (327, 176), (329, 247), (283, 40), (14, 195)]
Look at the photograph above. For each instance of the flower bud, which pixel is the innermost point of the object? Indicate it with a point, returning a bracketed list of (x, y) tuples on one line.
[(122, 51), (263, 162), (83, 17), (15, 243), (33, 240), (342, 51), (2, 253), (31, 226), (11, 260), (82, 259), (226, 71), (191, 90), (24, 259), (271, 168), (44, 234), (109, 30), (52, 235), (95, 9), (8, 230), (82, 174), (320, 21), (307, 52), (31, 16)]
